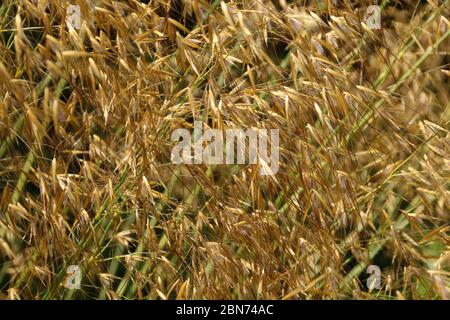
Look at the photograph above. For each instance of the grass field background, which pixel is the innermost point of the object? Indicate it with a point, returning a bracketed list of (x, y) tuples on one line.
[(86, 118)]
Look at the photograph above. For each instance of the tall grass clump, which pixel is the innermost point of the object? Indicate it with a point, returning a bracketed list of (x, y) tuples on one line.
[(86, 177)]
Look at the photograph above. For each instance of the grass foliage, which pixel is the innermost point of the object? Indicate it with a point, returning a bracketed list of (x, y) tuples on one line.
[(85, 139)]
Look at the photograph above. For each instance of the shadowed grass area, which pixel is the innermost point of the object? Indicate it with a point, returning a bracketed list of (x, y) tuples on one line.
[(86, 178)]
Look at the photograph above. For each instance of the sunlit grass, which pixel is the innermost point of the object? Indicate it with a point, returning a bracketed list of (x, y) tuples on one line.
[(86, 118)]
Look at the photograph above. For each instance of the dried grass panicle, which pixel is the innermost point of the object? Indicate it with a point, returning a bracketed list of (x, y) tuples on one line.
[(86, 118)]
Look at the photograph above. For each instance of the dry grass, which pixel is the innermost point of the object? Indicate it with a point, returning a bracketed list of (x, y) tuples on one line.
[(85, 175)]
